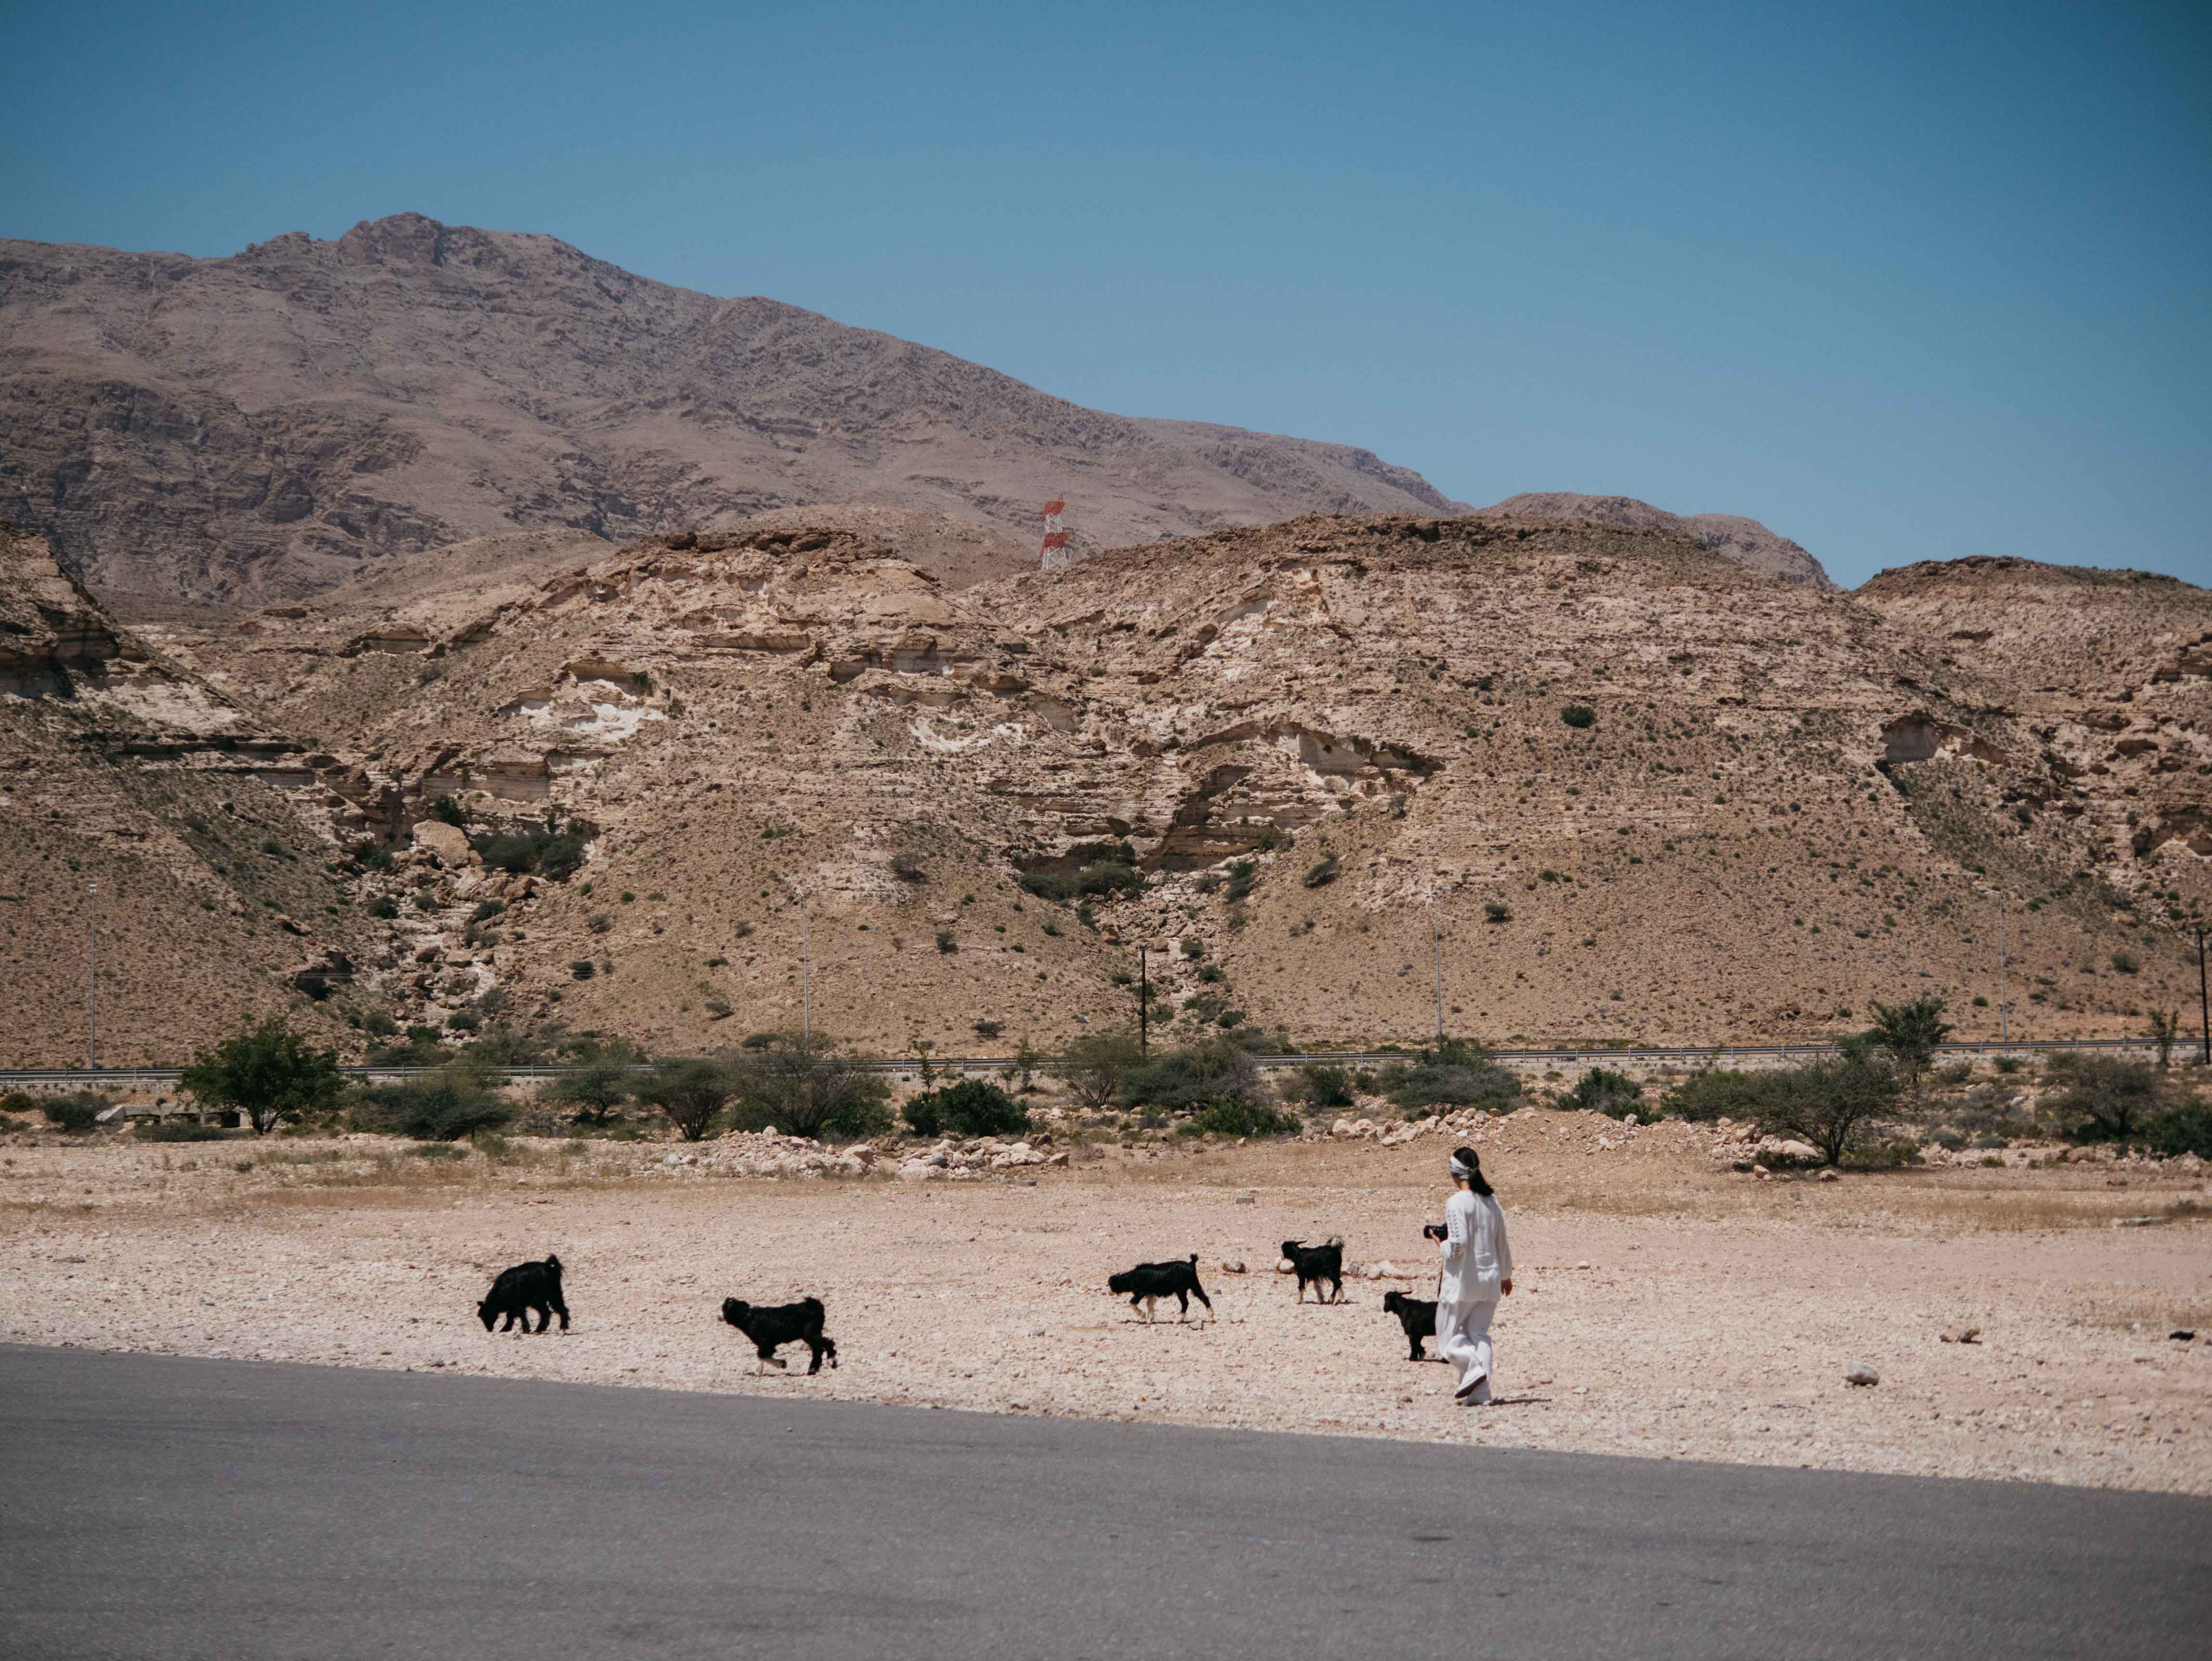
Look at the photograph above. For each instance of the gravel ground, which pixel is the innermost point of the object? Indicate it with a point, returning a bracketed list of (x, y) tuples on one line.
[(1663, 1307)]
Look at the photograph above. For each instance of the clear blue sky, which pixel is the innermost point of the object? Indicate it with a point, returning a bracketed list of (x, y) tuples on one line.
[(1903, 282)]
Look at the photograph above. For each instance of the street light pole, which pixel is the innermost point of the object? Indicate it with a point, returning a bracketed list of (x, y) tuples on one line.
[(92, 977)]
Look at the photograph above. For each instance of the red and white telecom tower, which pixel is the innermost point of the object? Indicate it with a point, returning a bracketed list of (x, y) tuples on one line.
[(1055, 551)]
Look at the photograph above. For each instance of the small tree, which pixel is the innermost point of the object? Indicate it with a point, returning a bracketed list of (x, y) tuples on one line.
[(1605, 1090), (1096, 1066), (1910, 1033), (457, 1100), (690, 1093), (2165, 1028), (967, 1107), (2107, 1098), (270, 1073), (808, 1088), (1832, 1105), (1319, 1085), (592, 1092)]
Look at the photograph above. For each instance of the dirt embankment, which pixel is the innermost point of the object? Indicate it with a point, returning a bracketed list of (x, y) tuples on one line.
[(1662, 1308)]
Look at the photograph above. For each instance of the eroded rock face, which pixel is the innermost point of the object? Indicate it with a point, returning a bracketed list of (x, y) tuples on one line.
[(1744, 540)]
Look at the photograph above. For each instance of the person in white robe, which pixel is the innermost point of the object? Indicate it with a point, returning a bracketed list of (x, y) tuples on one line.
[(1478, 1269)]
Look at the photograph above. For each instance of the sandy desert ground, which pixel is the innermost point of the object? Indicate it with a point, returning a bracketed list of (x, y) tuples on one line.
[(1664, 1307)]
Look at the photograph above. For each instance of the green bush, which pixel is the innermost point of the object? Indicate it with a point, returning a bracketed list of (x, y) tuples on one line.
[(1323, 872), (1201, 1074), (1096, 1067), (444, 1106), (1098, 870), (691, 1093), (534, 850), (1717, 1093), (808, 1089), (1240, 1119), (1604, 1090), (1455, 1073), (1318, 1085), (182, 1130), (77, 1112), (2107, 1098), (2185, 1127), (967, 1107), (1578, 715)]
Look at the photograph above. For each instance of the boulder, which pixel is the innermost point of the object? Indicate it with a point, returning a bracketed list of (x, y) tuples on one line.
[(1859, 1373), (446, 843)]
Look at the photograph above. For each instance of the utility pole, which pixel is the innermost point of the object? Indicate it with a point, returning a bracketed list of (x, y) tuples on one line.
[(92, 977), (2203, 1002), (2004, 1019), (805, 983), (1436, 940), (1144, 1005)]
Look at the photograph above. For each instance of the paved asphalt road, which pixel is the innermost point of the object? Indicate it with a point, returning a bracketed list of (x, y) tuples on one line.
[(158, 1507)]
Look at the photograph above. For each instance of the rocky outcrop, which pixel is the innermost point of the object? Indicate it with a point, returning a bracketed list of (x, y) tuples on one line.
[(1743, 540)]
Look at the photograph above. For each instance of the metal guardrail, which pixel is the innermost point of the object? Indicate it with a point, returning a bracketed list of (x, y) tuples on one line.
[(1575, 1054)]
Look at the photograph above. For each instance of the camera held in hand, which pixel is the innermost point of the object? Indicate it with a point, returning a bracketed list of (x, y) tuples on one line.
[(1433, 1230)]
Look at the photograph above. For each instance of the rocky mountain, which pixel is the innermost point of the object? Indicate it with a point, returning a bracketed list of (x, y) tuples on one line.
[(278, 422), (1643, 792), (1744, 540)]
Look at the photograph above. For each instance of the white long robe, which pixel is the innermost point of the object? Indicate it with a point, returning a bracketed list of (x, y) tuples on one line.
[(1476, 1262)]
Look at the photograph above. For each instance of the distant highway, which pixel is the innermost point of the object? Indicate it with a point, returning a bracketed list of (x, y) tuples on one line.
[(1561, 1056)]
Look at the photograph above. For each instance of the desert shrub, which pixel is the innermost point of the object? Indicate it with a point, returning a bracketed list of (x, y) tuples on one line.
[(1578, 715), (377, 1024), (2008, 1065), (182, 1130), (583, 969), (2105, 1098), (1955, 1072), (1834, 1104), (947, 941), (441, 1151), (1496, 911), (384, 906), (1318, 1085), (270, 1073), (1454, 1073), (372, 855), (77, 1112), (2185, 1127), (535, 850), (808, 1088), (1910, 1033), (1098, 1066), (19, 1101), (458, 1100), (1199, 1074), (464, 1020), (988, 1029), (487, 909), (1241, 1118), (2126, 963), (1323, 872), (1605, 1090), (967, 1107), (1243, 878), (591, 1092), (1100, 871), (907, 868), (1717, 1093), (447, 809), (691, 1093), (1193, 948)]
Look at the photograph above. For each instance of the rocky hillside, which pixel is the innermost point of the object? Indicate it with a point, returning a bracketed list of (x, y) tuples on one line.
[(211, 850), (1744, 540), (1640, 790), (275, 424)]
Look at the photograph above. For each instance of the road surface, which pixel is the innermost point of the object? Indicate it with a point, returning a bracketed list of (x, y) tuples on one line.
[(157, 1506)]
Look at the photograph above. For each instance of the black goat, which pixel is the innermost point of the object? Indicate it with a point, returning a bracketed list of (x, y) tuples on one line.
[(768, 1326), (1147, 1283), (522, 1289), (1417, 1315), (1316, 1263)]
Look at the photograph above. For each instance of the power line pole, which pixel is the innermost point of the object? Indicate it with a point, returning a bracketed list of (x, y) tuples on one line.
[(806, 982), (1144, 1005), (92, 977), (2004, 1019), (1437, 939), (2203, 1002)]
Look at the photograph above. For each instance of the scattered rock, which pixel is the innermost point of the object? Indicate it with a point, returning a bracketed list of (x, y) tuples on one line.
[(1962, 1335), (1285, 1266), (1828, 1175), (1233, 1266), (1860, 1373), (446, 842)]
